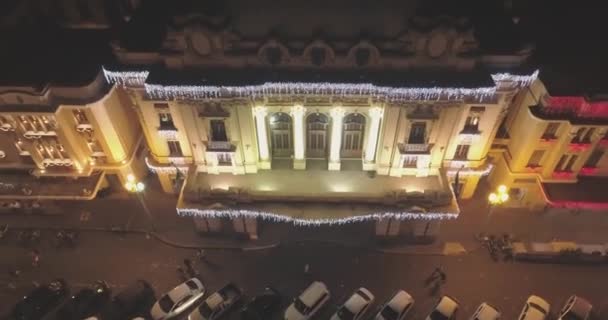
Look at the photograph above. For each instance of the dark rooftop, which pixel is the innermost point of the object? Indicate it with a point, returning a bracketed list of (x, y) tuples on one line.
[(242, 77)]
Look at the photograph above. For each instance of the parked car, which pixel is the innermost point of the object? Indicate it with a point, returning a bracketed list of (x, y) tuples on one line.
[(445, 309), (166, 306), (397, 307), (262, 306), (536, 308), (576, 308), (355, 307), (132, 302), (41, 300), (218, 303), (308, 303), (486, 312), (85, 303)]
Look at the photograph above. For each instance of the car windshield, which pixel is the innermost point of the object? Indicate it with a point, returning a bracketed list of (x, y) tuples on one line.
[(300, 306), (571, 316), (165, 303), (345, 314), (389, 314), (537, 307), (205, 310), (436, 315), (192, 285)]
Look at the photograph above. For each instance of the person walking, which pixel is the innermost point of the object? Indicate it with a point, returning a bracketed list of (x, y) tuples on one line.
[(35, 258)]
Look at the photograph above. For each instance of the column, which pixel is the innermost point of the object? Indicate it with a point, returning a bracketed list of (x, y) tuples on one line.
[(337, 115), (260, 124), (297, 114), (375, 114)]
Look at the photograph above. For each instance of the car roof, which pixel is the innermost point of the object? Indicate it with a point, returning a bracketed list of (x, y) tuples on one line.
[(534, 314), (581, 306), (540, 302), (447, 305), (487, 312), (311, 294), (355, 303), (400, 300)]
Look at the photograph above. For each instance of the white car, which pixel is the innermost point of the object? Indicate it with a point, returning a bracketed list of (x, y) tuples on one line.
[(445, 309), (308, 303), (486, 312), (536, 308), (576, 308), (396, 308), (169, 303), (355, 307)]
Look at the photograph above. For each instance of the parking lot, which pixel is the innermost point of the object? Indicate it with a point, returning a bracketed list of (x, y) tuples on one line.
[(471, 279)]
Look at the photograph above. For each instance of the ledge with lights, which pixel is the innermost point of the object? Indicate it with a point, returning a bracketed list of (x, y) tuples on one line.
[(187, 92), (226, 213), (170, 169)]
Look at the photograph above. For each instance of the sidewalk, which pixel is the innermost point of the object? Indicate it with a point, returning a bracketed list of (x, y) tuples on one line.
[(456, 237)]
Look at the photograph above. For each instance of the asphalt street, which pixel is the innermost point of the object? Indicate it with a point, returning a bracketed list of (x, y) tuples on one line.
[(471, 278)]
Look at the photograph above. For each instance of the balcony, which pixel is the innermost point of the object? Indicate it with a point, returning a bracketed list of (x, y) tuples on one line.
[(415, 148), (221, 146), (579, 146)]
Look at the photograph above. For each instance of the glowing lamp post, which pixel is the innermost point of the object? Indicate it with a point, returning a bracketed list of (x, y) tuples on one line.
[(498, 198), (134, 186)]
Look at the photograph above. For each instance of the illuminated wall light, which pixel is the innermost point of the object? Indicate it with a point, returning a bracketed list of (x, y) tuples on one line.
[(372, 140), (337, 115), (260, 120), (297, 113)]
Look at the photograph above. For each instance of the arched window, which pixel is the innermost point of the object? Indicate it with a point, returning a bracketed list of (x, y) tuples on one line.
[(280, 129), (352, 135), (316, 145)]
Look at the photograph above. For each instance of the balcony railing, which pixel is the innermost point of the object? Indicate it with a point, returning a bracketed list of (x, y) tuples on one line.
[(415, 148), (220, 146)]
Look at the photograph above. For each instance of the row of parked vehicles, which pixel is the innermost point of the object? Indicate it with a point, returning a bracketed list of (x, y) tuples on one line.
[(51, 302), (446, 308)]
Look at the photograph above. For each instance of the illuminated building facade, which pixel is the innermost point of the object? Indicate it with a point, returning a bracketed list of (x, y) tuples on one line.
[(66, 142), (319, 130), (551, 149)]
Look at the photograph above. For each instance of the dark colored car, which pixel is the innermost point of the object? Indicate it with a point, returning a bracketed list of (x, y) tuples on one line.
[(86, 303), (262, 306), (41, 301), (134, 301)]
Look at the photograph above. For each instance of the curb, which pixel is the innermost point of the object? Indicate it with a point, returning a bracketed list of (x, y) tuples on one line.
[(177, 244)]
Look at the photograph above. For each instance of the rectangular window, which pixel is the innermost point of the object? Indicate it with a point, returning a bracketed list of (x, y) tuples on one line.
[(594, 158), (175, 150), (588, 135), (535, 158), (551, 131), (218, 130), (410, 162), (462, 152), (571, 162), (560, 164), (578, 137), (164, 115), (417, 133)]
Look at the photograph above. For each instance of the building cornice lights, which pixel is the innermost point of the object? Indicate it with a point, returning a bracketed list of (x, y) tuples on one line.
[(164, 169), (522, 80), (126, 78)]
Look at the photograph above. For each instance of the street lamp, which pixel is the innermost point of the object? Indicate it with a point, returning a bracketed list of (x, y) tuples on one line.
[(137, 188), (134, 186), (499, 197)]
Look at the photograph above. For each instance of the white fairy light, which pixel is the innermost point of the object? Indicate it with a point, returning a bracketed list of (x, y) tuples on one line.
[(242, 213), (522, 80), (126, 78), (170, 169), (470, 171), (156, 91), (168, 134)]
